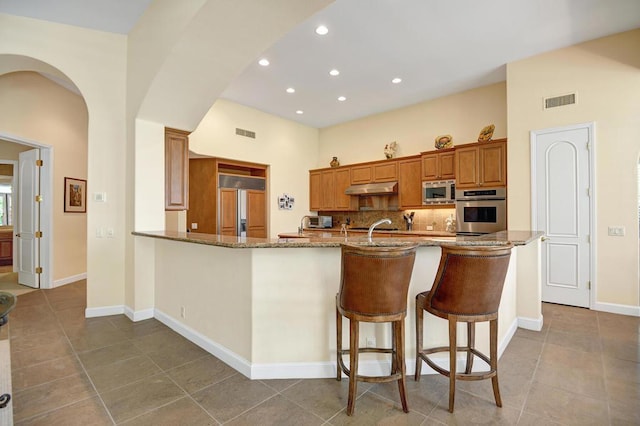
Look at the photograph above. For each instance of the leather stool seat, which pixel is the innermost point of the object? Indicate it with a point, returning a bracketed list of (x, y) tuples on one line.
[(374, 284), (467, 288)]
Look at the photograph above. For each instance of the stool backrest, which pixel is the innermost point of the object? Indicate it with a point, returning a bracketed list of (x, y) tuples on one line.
[(470, 279), (375, 280)]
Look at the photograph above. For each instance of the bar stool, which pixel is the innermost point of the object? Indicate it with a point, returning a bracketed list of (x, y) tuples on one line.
[(467, 288), (373, 288)]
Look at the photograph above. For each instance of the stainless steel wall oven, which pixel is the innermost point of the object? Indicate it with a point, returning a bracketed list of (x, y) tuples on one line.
[(481, 211)]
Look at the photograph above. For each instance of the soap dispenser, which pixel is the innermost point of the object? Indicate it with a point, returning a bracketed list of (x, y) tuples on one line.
[(450, 224)]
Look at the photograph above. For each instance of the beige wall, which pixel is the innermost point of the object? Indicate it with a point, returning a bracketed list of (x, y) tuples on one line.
[(96, 63), (415, 128), (37, 109), (605, 74), (290, 149)]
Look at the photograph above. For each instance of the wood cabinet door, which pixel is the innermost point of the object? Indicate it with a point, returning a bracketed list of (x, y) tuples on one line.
[(361, 174), (176, 169), (327, 181), (493, 164), (447, 165), (385, 172), (342, 180), (228, 211), (429, 167), (315, 191), (467, 167), (410, 183), (256, 214)]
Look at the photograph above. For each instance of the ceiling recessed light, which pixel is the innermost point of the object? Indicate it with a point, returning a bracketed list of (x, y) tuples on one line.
[(299, 112), (334, 72), (342, 98), (396, 80), (322, 30), (264, 62), (291, 90)]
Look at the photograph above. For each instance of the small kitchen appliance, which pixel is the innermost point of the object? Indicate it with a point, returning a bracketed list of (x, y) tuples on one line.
[(320, 222), (439, 192)]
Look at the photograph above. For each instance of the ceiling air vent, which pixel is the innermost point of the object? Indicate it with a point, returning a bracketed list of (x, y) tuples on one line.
[(246, 133), (559, 101)]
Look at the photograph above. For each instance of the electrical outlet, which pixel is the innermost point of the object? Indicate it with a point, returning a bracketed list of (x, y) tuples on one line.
[(429, 227), (183, 312), (371, 342), (194, 225)]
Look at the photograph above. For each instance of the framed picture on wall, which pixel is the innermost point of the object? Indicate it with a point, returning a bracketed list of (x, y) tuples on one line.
[(75, 195)]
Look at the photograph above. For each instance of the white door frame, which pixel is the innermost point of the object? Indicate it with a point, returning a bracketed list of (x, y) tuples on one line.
[(590, 126), (46, 206)]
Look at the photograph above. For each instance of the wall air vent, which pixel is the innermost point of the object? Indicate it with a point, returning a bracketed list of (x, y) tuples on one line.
[(558, 101), (246, 133)]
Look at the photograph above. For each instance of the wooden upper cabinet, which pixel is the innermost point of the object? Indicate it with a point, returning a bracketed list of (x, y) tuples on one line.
[(342, 182), (327, 189), (176, 169), (361, 174), (383, 171), (439, 165), (410, 183), (482, 165), (315, 191)]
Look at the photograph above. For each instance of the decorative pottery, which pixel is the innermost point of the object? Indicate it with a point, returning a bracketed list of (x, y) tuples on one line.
[(444, 141), (390, 150), (334, 162), (486, 133)]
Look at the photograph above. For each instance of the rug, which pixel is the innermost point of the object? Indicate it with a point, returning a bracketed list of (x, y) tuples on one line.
[(9, 283)]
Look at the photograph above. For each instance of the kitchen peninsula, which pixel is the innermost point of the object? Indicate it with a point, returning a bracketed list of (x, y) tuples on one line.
[(267, 306)]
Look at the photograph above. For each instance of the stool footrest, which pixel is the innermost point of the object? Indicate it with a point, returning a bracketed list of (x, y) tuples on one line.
[(479, 375)]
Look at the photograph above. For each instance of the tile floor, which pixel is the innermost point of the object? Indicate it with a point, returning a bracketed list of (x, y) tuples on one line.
[(582, 368)]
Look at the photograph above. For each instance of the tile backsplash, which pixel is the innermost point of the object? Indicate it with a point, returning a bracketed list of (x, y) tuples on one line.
[(422, 218)]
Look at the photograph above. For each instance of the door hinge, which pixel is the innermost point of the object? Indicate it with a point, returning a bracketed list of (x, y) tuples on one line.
[(38, 234), (39, 163), (588, 285), (588, 146), (38, 198), (38, 269), (588, 192), (588, 238)]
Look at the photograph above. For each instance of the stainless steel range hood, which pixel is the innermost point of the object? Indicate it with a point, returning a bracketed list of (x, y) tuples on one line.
[(382, 188)]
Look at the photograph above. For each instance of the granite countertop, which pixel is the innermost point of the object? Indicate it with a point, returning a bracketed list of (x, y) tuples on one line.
[(328, 239)]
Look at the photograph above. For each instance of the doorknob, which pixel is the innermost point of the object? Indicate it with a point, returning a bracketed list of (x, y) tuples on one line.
[(543, 239), (18, 235)]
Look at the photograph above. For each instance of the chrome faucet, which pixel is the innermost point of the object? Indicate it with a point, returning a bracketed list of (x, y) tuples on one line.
[(374, 224), (300, 229)]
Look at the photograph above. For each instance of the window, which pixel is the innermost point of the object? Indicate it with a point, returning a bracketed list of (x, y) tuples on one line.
[(5, 209)]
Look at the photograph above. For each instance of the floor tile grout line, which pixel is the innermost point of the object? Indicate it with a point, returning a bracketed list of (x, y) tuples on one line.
[(535, 370), (188, 395), (604, 371), (75, 352)]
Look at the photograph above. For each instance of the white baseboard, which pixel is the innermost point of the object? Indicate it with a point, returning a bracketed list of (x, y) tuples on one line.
[(615, 308), (239, 363), (104, 311), (296, 370), (69, 280), (138, 315), (530, 323)]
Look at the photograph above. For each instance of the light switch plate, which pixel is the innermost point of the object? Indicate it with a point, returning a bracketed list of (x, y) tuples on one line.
[(616, 231)]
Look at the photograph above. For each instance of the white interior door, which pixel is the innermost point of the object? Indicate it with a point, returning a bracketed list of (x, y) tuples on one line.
[(28, 224), (562, 209)]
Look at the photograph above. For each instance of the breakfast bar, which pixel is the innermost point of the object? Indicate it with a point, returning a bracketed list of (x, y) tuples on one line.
[(267, 306)]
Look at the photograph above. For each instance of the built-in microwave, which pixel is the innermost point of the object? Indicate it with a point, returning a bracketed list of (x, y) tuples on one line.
[(439, 192)]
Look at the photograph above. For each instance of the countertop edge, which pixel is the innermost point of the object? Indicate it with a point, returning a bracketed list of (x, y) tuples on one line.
[(500, 238)]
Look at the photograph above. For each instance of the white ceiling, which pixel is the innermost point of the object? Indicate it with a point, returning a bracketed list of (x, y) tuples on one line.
[(437, 47)]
